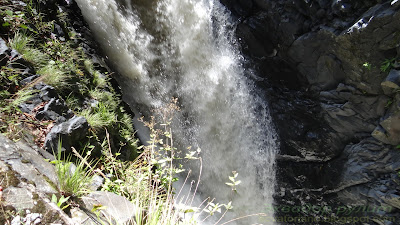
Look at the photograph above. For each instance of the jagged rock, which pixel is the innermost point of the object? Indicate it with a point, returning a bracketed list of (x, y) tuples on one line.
[(350, 112), (391, 128), (328, 42), (4, 52), (388, 130), (68, 132), (54, 110), (393, 200), (28, 180), (365, 163), (97, 182), (17, 61), (46, 92), (391, 83), (28, 80), (116, 208)]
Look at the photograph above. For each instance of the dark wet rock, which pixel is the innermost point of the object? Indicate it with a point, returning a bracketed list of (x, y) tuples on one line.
[(46, 92), (319, 63), (388, 130), (17, 61), (366, 161), (13, 59), (54, 110), (58, 30), (28, 80), (391, 83), (68, 132), (46, 105), (369, 177), (349, 111)]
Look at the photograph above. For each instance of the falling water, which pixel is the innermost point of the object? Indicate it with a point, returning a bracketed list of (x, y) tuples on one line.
[(187, 49)]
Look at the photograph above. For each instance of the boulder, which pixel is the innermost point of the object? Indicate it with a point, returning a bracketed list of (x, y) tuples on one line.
[(67, 133), (54, 110), (116, 209)]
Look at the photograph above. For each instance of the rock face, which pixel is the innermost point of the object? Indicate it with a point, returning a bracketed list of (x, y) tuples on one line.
[(26, 180), (331, 72)]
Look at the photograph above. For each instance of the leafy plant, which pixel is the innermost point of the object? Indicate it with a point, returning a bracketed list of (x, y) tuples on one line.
[(389, 103), (387, 64), (367, 65), (60, 202), (233, 180)]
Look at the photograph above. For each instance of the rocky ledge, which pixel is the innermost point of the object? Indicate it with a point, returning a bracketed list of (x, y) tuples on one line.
[(29, 181), (330, 69)]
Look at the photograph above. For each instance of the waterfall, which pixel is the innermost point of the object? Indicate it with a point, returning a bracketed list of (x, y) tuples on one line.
[(187, 49)]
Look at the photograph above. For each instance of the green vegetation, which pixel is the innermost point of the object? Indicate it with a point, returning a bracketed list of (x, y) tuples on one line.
[(387, 65), (62, 64), (367, 65), (73, 180), (61, 202), (148, 179)]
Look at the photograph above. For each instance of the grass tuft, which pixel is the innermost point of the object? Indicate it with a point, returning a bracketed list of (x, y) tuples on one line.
[(20, 42), (73, 180), (54, 76), (100, 116)]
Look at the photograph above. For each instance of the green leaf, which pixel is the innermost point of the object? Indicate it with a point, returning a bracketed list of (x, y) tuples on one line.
[(6, 24), (398, 146), (228, 206), (66, 206), (98, 207), (54, 198), (189, 211), (9, 12)]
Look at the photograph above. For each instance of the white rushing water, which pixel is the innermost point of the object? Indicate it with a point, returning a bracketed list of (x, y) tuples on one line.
[(186, 49)]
